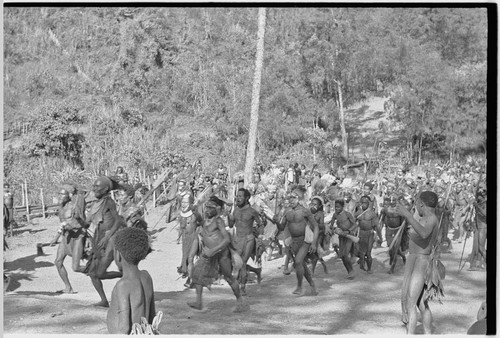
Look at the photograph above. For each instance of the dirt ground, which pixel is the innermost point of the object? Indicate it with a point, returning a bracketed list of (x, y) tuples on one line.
[(368, 304)]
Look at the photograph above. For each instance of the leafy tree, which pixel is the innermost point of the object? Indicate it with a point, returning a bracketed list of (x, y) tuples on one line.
[(54, 133)]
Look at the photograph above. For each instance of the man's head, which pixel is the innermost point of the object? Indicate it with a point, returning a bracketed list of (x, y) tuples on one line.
[(119, 170), (210, 209), (242, 197), (66, 193), (295, 197), (316, 204), (348, 196), (6, 186), (102, 186), (125, 194), (339, 206), (426, 199), (181, 184), (132, 245), (365, 202), (367, 188)]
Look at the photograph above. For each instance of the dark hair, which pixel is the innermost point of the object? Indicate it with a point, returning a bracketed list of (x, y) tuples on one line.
[(246, 193), (340, 202), (133, 244), (429, 198), (365, 196), (217, 200)]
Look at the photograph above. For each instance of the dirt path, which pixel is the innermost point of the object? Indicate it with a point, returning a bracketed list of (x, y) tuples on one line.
[(368, 304)]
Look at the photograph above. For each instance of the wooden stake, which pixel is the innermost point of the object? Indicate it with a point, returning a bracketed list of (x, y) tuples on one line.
[(43, 203), (22, 193), (27, 201)]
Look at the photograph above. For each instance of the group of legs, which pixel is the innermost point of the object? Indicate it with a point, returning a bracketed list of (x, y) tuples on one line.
[(73, 245)]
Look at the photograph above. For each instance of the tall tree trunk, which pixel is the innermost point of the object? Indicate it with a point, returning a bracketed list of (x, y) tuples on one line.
[(254, 114), (420, 150), (342, 122)]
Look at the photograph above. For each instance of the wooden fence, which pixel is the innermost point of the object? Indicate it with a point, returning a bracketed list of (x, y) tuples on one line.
[(17, 128)]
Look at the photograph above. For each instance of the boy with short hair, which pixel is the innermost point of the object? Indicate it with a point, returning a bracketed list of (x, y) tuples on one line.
[(133, 295)]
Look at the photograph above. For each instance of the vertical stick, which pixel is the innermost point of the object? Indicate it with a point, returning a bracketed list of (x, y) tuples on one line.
[(22, 193), (43, 203), (27, 201)]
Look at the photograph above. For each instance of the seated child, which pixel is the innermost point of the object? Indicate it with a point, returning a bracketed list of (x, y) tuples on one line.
[(133, 295)]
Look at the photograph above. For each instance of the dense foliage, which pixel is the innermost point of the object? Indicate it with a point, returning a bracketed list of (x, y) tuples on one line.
[(129, 86)]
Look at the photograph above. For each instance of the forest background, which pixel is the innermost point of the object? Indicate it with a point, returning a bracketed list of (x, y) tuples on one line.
[(100, 87)]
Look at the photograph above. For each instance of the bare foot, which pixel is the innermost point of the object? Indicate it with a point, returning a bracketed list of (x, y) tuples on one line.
[(243, 291), (298, 291), (102, 303), (369, 272), (390, 272), (195, 305), (350, 275), (313, 291), (286, 271)]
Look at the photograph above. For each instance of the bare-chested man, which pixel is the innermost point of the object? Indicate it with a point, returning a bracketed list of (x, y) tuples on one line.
[(131, 213), (71, 217), (189, 220), (392, 222), (215, 257), (368, 223), (104, 222), (422, 235), (296, 219), (243, 219), (343, 223)]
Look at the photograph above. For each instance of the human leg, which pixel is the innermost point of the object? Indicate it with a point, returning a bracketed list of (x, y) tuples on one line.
[(404, 289), (59, 263), (245, 256), (415, 288), (482, 243), (105, 261), (286, 270), (369, 253), (426, 313), (198, 303), (301, 269), (226, 269), (77, 254), (100, 290), (345, 248)]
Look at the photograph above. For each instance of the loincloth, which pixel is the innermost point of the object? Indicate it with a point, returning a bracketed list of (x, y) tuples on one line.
[(365, 237), (206, 269), (345, 245), (69, 239)]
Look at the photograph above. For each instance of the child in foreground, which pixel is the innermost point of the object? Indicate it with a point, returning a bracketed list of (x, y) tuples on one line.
[(133, 295)]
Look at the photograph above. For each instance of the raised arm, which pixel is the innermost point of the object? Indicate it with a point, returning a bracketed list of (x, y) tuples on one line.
[(424, 228)]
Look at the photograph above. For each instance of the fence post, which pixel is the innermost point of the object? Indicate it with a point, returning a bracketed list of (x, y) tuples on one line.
[(43, 203), (27, 201), (22, 193)]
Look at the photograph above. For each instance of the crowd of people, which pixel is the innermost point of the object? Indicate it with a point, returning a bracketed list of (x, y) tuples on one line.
[(228, 229)]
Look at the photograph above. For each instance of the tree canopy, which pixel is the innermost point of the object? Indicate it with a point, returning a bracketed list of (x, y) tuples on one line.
[(163, 77)]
